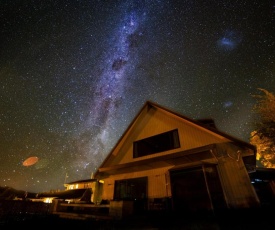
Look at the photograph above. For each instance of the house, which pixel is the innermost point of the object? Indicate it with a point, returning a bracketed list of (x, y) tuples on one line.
[(80, 191), (92, 187), (166, 161)]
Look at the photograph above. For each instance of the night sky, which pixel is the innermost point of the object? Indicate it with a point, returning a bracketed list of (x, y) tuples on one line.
[(75, 73)]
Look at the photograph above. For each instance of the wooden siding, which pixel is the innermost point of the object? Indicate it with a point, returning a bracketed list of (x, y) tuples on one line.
[(235, 180), (157, 186), (108, 189), (158, 183), (157, 122), (238, 190)]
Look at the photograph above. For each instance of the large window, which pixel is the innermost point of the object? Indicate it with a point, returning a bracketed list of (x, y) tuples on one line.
[(197, 189), (189, 190), (131, 189), (158, 143)]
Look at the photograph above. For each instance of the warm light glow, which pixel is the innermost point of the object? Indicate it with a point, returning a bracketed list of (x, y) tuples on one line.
[(48, 200), (30, 161)]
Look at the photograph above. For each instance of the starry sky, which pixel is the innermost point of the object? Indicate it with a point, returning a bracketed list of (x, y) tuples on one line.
[(75, 73)]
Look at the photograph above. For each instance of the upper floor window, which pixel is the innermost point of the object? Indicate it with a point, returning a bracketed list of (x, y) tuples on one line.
[(158, 143)]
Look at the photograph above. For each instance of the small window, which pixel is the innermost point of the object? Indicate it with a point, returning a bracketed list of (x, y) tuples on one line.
[(158, 143)]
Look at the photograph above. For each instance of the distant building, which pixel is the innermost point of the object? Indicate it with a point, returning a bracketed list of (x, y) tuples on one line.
[(81, 191)]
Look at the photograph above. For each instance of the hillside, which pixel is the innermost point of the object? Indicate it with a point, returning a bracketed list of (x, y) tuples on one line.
[(8, 193)]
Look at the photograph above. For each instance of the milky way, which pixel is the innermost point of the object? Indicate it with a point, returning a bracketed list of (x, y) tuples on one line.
[(117, 65), (74, 74)]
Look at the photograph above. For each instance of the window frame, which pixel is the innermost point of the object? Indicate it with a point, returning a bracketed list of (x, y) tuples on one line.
[(155, 144)]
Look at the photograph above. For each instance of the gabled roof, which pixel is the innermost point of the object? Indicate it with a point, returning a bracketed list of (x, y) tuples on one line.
[(205, 123)]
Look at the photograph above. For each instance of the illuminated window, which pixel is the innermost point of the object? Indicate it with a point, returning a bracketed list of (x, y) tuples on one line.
[(71, 187)]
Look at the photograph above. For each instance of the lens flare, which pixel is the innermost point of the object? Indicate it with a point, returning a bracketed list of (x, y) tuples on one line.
[(30, 161)]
